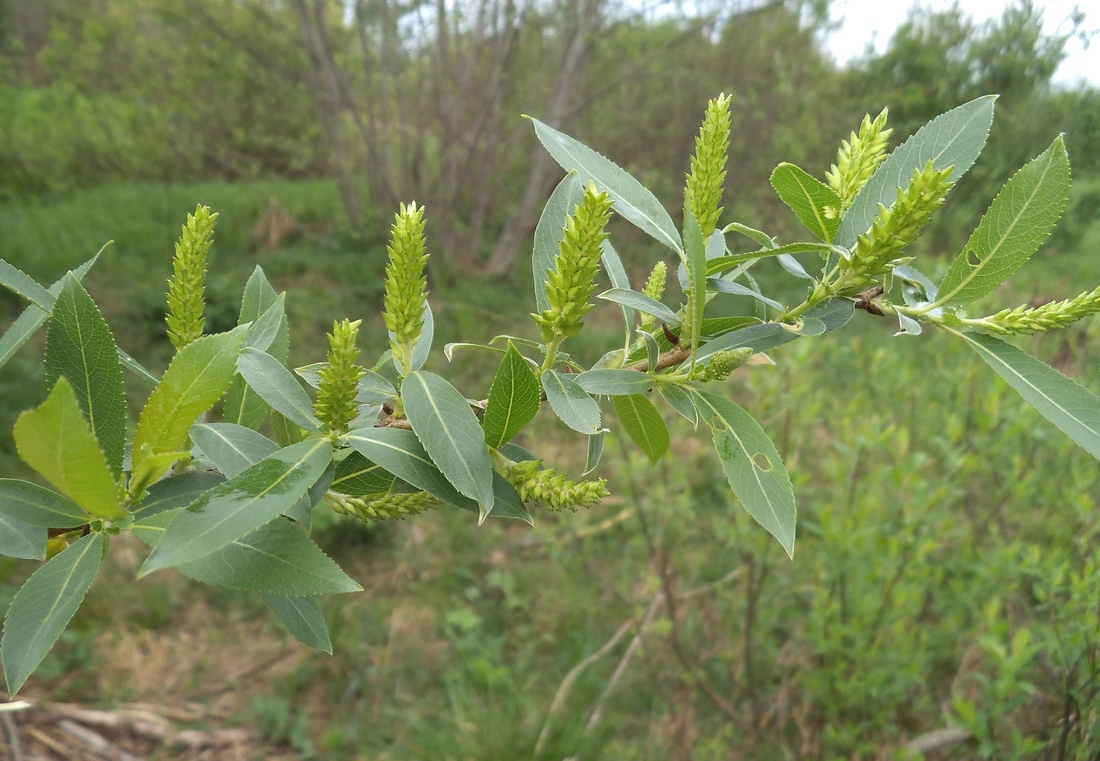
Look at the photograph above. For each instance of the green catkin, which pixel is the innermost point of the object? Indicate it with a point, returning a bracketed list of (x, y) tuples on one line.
[(550, 488), (858, 158), (186, 289), (337, 390), (1024, 320), (655, 289), (725, 362), (384, 506), (707, 177), (897, 227), (572, 281), (406, 287)]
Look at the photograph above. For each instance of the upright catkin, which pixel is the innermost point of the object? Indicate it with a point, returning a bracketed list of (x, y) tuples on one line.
[(406, 286), (187, 287)]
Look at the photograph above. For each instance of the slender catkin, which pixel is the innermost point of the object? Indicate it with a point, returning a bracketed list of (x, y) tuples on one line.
[(1024, 320), (335, 405), (406, 287), (858, 158), (707, 177), (383, 506), (549, 487), (186, 289)]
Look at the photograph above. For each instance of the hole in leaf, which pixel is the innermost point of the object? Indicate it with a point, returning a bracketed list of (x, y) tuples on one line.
[(761, 461), (972, 258)]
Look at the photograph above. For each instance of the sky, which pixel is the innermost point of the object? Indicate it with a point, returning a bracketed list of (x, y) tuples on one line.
[(864, 22)]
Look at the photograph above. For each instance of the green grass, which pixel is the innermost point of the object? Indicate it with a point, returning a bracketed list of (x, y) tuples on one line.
[(946, 569)]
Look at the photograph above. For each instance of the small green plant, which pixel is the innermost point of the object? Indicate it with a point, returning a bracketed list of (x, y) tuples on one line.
[(228, 505)]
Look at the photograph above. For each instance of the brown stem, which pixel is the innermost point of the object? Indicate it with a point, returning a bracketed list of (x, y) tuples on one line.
[(673, 356)]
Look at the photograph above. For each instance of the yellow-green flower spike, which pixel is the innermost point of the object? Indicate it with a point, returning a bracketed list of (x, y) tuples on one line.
[(1024, 320), (383, 506), (707, 177), (335, 405), (406, 287), (858, 158), (571, 283), (551, 488), (186, 289), (654, 288), (725, 362), (897, 227)]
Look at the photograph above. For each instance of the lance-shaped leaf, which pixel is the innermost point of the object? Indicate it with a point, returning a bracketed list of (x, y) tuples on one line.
[(696, 263), (550, 231), (267, 327), (284, 431), (1071, 407), (358, 476), (814, 203), (636, 204), (752, 465), (79, 345), (720, 264), (243, 406), (443, 421), (507, 502), (643, 424), (736, 289), (680, 400), (241, 504), (595, 452), (759, 337), (32, 318), (642, 303), (423, 344), (32, 504), (44, 605), (232, 448), (1020, 219), (177, 491), (571, 403), (278, 387), (953, 139), (303, 618), (277, 558), (514, 399), (401, 453), (617, 274), (56, 441), (17, 281), (197, 377), (22, 540), (610, 382)]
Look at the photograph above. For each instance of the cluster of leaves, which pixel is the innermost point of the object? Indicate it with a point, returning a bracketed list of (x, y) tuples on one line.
[(226, 505)]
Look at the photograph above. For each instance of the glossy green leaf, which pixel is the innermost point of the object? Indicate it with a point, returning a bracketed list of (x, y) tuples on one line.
[(374, 389), (303, 618), (197, 377), (136, 368), (276, 558), (401, 453), (278, 387), (443, 421), (1071, 407), (357, 476), (1020, 219), (752, 466), (696, 263), (32, 318), (22, 540), (680, 400), (643, 424), (751, 233), (636, 204), (736, 289), (641, 302), (177, 491), (614, 382), (424, 343), (44, 605), (613, 265), (595, 452), (79, 345), (34, 505), (243, 406), (652, 351), (19, 282), (720, 264), (301, 512), (955, 138), (550, 231), (241, 505), (263, 332), (808, 197), (284, 431), (571, 403), (232, 448), (56, 441), (514, 398)]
